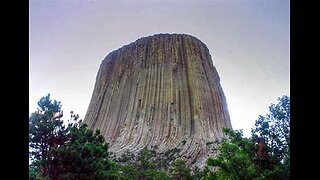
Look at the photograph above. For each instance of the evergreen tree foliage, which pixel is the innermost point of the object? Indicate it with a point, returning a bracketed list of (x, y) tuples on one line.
[(236, 157), (179, 170), (73, 151), (264, 155), (64, 152), (274, 130)]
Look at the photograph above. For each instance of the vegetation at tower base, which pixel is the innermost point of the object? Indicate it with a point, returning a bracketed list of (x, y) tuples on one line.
[(64, 152), (73, 151), (274, 130), (162, 90), (264, 155), (76, 152)]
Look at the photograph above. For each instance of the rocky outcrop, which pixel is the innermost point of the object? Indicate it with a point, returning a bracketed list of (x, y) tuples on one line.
[(161, 92)]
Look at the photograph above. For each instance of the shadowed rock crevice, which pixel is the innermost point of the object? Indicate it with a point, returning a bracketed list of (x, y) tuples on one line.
[(159, 91)]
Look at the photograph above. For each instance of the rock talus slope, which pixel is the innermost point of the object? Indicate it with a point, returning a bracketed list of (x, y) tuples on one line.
[(160, 91)]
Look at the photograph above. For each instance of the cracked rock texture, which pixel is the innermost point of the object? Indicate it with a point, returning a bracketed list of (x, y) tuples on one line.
[(163, 92)]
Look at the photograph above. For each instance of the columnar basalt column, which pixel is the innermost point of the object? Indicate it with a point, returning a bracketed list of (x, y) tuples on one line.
[(159, 91)]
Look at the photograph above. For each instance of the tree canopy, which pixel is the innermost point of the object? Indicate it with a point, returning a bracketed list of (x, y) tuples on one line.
[(64, 152), (264, 155), (60, 149)]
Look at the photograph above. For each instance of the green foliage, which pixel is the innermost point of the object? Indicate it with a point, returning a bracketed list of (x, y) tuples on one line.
[(128, 171), (235, 157), (147, 164), (179, 170), (47, 106), (164, 160), (239, 157), (154, 174), (146, 159), (126, 157), (64, 152), (35, 175), (196, 173), (274, 129), (44, 134), (84, 156), (73, 151)]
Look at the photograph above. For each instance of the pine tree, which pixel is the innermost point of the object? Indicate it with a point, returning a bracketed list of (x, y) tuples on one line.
[(64, 152), (264, 155)]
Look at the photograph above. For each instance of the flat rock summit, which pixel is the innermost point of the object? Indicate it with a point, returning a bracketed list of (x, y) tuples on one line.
[(160, 92)]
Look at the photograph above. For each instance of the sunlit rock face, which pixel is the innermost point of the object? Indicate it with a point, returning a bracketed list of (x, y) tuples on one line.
[(162, 92)]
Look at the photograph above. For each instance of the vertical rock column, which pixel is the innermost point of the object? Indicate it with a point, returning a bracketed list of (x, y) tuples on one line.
[(162, 91)]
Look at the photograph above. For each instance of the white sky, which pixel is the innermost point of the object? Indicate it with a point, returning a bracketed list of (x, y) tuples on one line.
[(248, 41)]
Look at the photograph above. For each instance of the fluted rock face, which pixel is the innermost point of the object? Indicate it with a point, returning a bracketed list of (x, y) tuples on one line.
[(159, 91)]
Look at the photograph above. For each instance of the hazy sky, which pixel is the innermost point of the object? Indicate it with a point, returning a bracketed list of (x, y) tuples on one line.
[(248, 41)]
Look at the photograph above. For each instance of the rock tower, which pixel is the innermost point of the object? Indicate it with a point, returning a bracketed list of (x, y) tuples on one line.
[(160, 91)]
